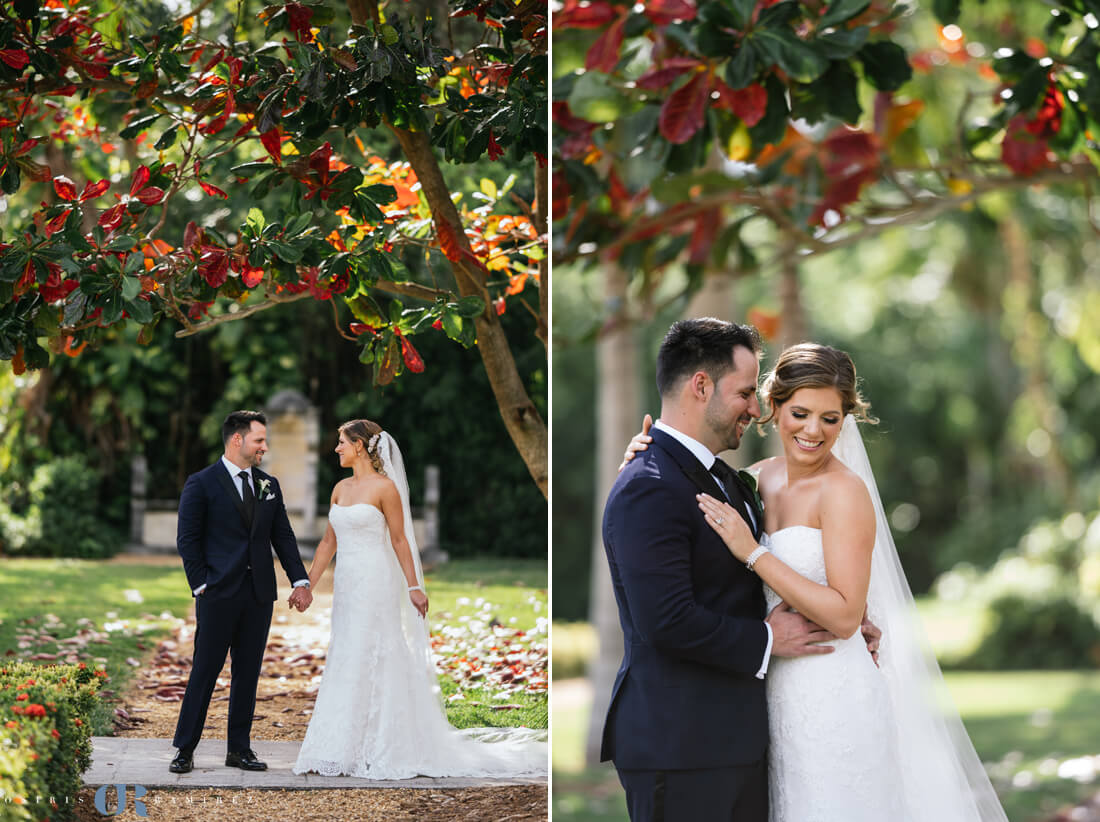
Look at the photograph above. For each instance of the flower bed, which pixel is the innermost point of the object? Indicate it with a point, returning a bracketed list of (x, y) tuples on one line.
[(45, 737)]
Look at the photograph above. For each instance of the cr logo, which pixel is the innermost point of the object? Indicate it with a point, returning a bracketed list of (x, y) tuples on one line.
[(120, 800)]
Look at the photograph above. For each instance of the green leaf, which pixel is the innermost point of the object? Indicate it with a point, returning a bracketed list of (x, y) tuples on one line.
[(841, 11), (139, 125), (248, 169), (75, 307), (131, 287), (134, 263), (299, 224), (885, 65), (123, 242), (836, 93), (379, 193), (366, 356), (140, 310), (595, 99), (773, 125), (112, 309), (946, 11), (741, 70), (742, 12), (286, 252), (840, 44), (797, 58), (168, 139), (256, 221), (470, 306), (452, 326)]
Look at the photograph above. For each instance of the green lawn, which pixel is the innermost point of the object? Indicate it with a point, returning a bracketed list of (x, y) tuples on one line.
[(95, 604), (1036, 729)]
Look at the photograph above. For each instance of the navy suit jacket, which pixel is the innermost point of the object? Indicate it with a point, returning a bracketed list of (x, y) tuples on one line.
[(686, 695), (217, 544)]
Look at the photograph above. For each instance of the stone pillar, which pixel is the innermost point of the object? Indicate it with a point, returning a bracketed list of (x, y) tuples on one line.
[(428, 537), (293, 438), (139, 475)]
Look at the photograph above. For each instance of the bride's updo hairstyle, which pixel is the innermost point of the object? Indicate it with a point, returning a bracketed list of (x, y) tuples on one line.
[(368, 433), (811, 365)]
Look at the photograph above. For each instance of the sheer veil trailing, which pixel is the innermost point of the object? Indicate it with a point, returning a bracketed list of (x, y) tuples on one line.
[(943, 779), (414, 627)]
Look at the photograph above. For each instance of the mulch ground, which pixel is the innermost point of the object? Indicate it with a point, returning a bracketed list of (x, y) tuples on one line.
[(293, 663)]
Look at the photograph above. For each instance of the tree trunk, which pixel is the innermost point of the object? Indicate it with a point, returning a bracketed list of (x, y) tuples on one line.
[(617, 407), (523, 421), (793, 328), (715, 298)]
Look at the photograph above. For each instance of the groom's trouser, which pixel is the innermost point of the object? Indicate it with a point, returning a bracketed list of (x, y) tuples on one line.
[(237, 625), (732, 794)]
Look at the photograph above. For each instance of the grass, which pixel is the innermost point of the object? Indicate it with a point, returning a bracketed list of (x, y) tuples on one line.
[(72, 590), (53, 599), (1028, 725)]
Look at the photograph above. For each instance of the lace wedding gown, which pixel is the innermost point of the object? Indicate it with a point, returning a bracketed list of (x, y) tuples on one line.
[(378, 712), (833, 752)]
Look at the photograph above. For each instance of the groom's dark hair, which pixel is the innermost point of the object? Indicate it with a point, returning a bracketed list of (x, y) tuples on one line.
[(240, 422), (702, 343)]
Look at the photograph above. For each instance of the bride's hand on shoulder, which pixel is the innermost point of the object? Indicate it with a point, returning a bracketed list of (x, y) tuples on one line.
[(420, 601), (726, 522), (639, 442)]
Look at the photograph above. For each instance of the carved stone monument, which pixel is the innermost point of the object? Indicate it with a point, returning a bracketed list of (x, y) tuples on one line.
[(293, 437)]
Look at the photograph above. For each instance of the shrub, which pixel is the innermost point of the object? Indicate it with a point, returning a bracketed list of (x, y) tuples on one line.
[(1037, 633), (45, 736), (61, 516)]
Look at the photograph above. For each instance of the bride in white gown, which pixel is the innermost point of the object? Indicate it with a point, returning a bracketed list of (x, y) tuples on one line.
[(379, 713), (849, 741)]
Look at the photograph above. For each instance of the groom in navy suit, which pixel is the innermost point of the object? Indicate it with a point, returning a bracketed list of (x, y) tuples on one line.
[(231, 514), (687, 726)]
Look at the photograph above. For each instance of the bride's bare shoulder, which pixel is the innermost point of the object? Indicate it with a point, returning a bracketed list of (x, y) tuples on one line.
[(843, 492)]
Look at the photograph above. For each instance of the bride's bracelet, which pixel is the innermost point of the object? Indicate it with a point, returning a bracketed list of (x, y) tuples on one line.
[(754, 556), (416, 588)]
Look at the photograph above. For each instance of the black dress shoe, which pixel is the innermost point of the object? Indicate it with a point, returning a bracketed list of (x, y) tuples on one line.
[(182, 763), (245, 760)]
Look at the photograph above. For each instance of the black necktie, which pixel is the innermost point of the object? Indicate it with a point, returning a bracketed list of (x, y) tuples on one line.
[(249, 497), (727, 478)]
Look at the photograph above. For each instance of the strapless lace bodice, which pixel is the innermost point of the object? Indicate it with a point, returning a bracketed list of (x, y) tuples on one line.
[(833, 752)]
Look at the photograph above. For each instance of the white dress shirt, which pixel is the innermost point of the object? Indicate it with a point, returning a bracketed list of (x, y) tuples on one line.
[(708, 458), (238, 483)]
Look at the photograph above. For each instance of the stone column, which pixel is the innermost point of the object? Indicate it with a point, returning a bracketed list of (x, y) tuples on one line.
[(293, 436)]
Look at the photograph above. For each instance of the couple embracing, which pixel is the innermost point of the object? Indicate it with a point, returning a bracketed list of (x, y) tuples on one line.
[(748, 691)]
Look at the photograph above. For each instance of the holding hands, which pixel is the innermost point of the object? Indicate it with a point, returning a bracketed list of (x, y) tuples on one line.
[(300, 598)]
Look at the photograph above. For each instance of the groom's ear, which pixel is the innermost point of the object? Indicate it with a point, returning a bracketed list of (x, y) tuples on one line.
[(700, 383)]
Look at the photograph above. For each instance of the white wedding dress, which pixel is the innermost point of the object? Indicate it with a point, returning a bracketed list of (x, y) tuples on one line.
[(852, 742), (378, 713), (833, 749)]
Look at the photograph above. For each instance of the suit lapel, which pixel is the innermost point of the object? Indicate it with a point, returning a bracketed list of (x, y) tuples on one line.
[(231, 489), (705, 481)]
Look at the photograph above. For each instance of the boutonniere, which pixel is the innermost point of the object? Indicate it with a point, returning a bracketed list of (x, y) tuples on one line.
[(750, 480), (265, 492)]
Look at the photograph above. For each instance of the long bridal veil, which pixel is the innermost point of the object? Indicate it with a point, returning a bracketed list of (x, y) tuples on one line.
[(943, 779)]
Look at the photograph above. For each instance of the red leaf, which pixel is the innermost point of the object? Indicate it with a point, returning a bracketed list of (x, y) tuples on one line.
[(58, 222), (663, 12), (112, 217), (448, 241), (273, 142), (576, 145), (214, 265), (702, 238), (495, 151), (65, 188), (581, 14), (93, 190), (16, 58), (362, 328), (17, 365), (140, 178), (213, 191), (413, 360), (559, 195), (150, 195), (500, 305), (749, 103), (1048, 121), (604, 53), (684, 112), (215, 125), (299, 17), (192, 235), (850, 160), (252, 277), (1022, 151), (671, 69)]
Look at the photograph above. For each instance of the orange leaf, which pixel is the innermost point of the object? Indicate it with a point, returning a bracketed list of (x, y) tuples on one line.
[(213, 191), (65, 188), (448, 240)]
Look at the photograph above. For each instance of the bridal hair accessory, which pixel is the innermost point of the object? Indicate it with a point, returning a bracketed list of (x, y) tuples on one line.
[(372, 443)]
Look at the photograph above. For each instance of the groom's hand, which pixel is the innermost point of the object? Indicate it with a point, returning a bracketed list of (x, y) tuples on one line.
[(871, 635), (794, 635), (300, 598)]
